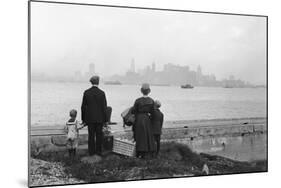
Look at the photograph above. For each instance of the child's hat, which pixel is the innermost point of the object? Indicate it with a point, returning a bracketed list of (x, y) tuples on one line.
[(157, 103), (73, 112)]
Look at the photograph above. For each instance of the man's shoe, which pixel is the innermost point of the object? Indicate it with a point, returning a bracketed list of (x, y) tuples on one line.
[(99, 154)]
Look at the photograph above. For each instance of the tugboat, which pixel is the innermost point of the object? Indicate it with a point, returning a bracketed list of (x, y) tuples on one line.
[(187, 86)]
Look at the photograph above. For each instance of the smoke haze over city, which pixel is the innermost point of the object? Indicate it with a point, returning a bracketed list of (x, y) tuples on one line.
[(66, 39)]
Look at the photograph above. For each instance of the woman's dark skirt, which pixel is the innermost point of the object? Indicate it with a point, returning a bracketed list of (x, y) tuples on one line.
[(143, 134)]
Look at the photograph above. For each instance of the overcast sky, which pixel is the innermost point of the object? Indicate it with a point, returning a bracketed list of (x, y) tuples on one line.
[(66, 38)]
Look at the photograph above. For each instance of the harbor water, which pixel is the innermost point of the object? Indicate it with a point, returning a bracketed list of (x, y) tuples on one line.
[(52, 101)]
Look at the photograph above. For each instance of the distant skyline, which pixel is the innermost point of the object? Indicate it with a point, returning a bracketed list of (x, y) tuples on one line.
[(67, 38), (180, 75)]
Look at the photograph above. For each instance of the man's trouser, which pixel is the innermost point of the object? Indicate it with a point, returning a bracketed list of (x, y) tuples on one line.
[(95, 137)]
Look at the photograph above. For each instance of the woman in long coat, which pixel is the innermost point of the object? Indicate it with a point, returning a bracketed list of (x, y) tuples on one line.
[(143, 135)]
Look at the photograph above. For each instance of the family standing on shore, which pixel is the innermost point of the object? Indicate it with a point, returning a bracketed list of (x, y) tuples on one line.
[(146, 127)]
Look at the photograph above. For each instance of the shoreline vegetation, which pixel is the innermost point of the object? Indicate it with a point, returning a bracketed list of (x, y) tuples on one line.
[(174, 160)]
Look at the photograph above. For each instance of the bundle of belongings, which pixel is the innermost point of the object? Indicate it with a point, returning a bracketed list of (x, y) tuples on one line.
[(128, 117)]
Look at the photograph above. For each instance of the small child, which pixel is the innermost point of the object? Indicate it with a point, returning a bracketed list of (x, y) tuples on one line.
[(157, 123), (72, 129)]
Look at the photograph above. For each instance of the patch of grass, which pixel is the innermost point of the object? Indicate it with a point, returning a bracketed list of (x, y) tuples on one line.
[(222, 165), (173, 159)]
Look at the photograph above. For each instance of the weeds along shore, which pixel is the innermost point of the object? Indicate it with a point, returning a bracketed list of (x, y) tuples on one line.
[(174, 160)]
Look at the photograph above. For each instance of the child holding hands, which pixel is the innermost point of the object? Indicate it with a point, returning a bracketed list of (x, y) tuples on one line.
[(72, 128)]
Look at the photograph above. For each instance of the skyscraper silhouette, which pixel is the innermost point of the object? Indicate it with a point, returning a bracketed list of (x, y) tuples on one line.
[(132, 69), (92, 68)]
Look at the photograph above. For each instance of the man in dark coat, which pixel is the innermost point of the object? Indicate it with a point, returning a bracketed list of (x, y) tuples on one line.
[(94, 115)]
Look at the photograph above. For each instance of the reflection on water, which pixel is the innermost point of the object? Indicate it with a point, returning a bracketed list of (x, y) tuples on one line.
[(242, 148)]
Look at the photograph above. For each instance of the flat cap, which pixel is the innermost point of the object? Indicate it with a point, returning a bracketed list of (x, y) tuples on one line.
[(95, 79)]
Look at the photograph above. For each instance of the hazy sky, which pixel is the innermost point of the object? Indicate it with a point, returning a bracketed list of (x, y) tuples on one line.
[(66, 38)]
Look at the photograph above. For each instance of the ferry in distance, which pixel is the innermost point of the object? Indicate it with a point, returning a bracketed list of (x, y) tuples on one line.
[(228, 86), (187, 86)]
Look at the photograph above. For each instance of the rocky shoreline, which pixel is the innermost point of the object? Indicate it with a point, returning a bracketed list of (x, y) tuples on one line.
[(174, 160), (49, 173)]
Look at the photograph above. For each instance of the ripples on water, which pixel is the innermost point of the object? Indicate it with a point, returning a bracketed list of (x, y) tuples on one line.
[(51, 102)]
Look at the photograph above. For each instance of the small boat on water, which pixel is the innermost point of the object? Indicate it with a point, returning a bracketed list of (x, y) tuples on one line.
[(187, 86), (112, 83), (228, 86)]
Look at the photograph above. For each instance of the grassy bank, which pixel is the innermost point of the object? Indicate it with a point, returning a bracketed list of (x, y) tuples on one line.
[(174, 160)]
